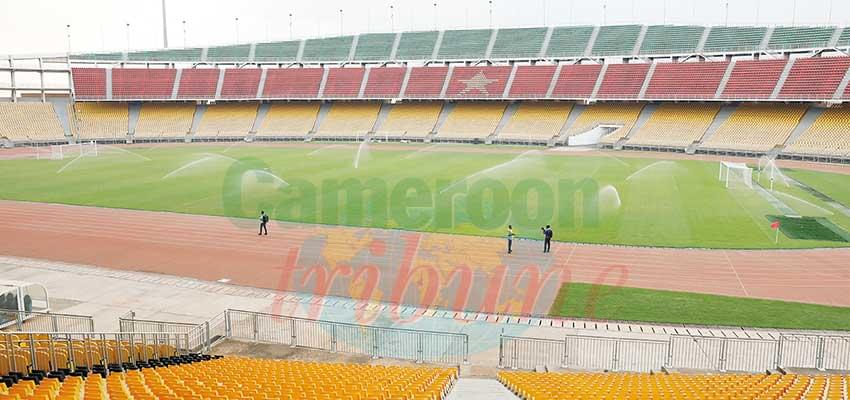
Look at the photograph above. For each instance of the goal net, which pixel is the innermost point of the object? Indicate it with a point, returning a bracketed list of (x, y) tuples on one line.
[(735, 174), (63, 151)]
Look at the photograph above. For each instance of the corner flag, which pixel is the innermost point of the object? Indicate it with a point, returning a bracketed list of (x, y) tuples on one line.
[(775, 226)]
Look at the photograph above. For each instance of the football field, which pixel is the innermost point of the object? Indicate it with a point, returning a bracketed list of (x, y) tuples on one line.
[(472, 190)]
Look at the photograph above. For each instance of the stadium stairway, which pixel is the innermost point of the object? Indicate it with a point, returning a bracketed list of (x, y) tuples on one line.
[(645, 114), (196, 121), (805, 123), (133, 119), (721, 117), (479, 389), (510, 110), (262, 111), (320, 117)]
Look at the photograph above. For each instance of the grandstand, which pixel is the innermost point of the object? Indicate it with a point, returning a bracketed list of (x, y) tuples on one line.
[(350, 120), (675, 125), (33, 122), (470, 121), (410, 120), (579, 386), (227, 120), (162, 120), (828, 135), (756, 128), (623, 115), (101, 120), (295, 119), (535, 122)]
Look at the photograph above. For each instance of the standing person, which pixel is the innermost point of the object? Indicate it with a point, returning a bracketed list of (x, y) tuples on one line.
[(547, 238), (510, 238), (264, 219)]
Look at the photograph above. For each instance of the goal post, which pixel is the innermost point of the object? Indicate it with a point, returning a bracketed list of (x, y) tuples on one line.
[(63, 151), (732, 174)]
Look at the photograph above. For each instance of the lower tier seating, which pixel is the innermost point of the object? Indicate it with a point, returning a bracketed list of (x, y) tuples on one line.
[(472, 120), (829, 135), (101, 120), (587, 386), (289, 119), (536, 121), (243, 378), (350, 119), (622, 114), (235, 119), (411, 120), (20, 122), (756, 127), (164, 120), (675, 125)]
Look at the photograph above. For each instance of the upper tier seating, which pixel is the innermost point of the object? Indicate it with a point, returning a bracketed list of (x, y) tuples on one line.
[(327, 49), (227, 119), (576, 81), (815, 78), (29, 122), (788, 37), (240, 83), (675, 125), (277, 51), (844, 39), (100, 56), (410, 120), (616, 40), (198, 83), (384, 82), (623, 81), (829, 135), (349, 119), (343, 82), (753, 79), (518, 43), (142, 83), (166, 55), (757, 128), (478, 82), (101, 120), (464, 44), (692, 80), (89, 83), (569, 41), (532, 81), (229, 53), (471, 120), (425, 82), (416, 45), (536, 121), (671, 39), (289, 119), (374, 46), (587, 386), (623, 114), (734, 38), (164, 120), (244, 378), (293, 82)]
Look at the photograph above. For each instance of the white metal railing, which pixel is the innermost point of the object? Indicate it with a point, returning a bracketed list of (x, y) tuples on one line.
[(822, 352), (378, 342), (33, 321)]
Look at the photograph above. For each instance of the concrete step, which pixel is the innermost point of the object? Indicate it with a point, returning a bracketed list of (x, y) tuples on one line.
[(480, 389)]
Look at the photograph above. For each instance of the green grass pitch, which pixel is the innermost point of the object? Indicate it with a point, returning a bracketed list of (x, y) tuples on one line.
[(632, 304), (599, 199)]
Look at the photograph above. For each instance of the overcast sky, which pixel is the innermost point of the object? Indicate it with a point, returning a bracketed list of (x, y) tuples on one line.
[(39, 26)]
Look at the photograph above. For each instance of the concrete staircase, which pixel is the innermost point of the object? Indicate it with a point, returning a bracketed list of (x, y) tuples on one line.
[(200, 109), (134, 109), (382, 117), (444, 114), (645, 114), (783, 78), (480, 389), (506, 117), (262, 111), (323, 112), (805, 123), (719, 119)]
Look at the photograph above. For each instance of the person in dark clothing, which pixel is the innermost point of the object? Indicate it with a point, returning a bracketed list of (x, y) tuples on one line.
[(547, 238), (264, 219), (510, 238)]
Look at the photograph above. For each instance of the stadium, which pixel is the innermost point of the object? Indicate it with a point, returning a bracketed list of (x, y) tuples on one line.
[(693, 177)]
